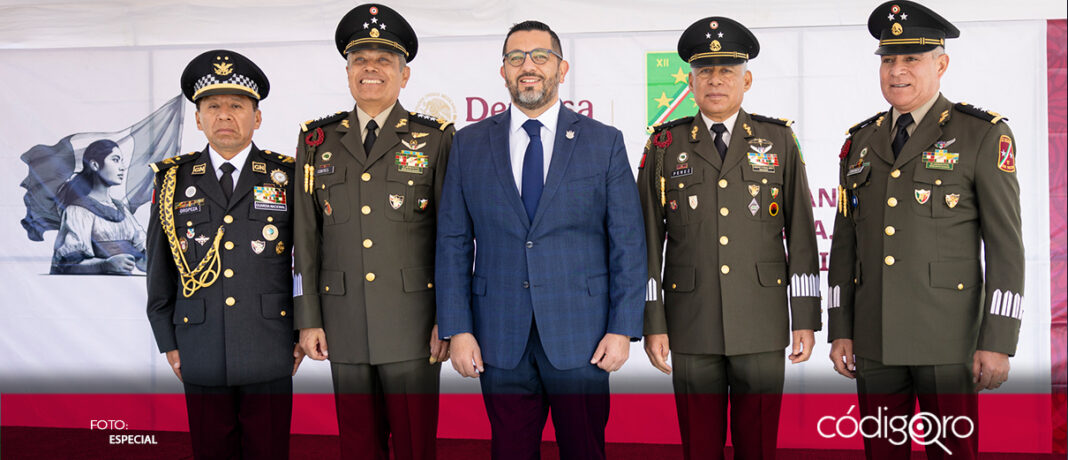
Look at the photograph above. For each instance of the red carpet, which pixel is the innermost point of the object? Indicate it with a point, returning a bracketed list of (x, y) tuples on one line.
[(64, 443)]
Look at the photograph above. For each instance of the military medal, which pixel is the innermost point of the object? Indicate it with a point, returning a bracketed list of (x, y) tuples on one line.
[(940, 159), (413, 144), (326, 156), (754, 207), (760, 146), (683, 157), (190, 233), (280, 248), (773, 209), (258, 245), (258, 167), (763, 162), (922, 195), (411, 162), (775, 192), (269, 198), (201, 239), (326, 208), (421, 204), (184, 244), (674, 205), (754, 190), (569, 134), (952, 199), (693, 201), (190, 191), (863, 152), (396, 201), (280, 177), (270, 232)]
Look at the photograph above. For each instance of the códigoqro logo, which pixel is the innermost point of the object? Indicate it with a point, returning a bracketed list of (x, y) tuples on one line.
[(923, 428)]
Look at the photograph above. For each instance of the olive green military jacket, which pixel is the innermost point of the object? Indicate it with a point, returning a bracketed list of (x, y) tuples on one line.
[(729, 284), (364, 234), (906, 280)]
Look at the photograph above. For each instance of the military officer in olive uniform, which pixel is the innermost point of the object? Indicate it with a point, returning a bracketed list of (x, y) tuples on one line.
[(368, 188), (219, 277), (725, 186), (926, 187)]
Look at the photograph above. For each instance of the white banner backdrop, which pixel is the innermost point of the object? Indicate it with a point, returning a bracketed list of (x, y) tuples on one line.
[(88, 334)]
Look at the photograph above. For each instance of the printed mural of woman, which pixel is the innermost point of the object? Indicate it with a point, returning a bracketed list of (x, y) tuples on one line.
[(97, 233)]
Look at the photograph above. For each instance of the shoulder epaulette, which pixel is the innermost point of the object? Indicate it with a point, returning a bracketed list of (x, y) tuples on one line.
[(312, 124), (427, 120), (778, 121), (173, 161), (992, 117), (671, 124), (278, 157), (864, 123)]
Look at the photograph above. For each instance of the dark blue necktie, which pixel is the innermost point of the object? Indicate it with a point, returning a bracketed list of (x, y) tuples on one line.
[(533, 171)]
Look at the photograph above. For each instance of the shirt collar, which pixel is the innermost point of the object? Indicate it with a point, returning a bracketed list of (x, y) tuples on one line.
[(918, 114), (238, 160), (729, 122), (547, 118), (362, 117)]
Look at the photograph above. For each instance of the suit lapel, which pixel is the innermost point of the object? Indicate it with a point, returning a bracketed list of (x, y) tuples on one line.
[(563, 147), (925, 134), (388, 135), (736, 150), (500, 154), (209, 183), (880, 140), (701, 139), (351, 139), (246, 179)]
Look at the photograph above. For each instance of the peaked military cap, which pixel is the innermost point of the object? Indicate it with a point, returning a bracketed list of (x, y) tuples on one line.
[(717, 40), (223, 72), (376, 26), (905, 27)]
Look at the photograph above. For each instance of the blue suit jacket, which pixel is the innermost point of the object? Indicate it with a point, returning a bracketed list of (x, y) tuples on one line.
[(577, 269)]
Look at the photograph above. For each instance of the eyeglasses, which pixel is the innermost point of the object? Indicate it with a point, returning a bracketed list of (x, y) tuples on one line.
[(538, 55)]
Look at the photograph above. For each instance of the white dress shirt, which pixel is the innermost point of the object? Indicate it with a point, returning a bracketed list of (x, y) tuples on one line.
[(729, 123), (518, 140), (238, 161)]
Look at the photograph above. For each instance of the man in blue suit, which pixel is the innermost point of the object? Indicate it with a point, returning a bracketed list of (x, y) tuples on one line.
[(557, 290)]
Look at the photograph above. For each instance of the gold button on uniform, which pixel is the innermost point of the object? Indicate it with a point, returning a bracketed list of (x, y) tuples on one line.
[(889, 260), (673, 286), (681, 185), (326, 288), (960, 286), (188, 223), (892, 202), (185, 319), (367, 243), (228, 273), (725, 269), (723, 240), (229, 245), (228, 219), (938, 181), (365, 210), (430, 285), (724, 211), (411, 182), (778, 281), (283, 313), (895, 173), (230, 301), (370, 277), (763, 181), (723, 183), (890, 230), (365, 177), (270, 219)]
